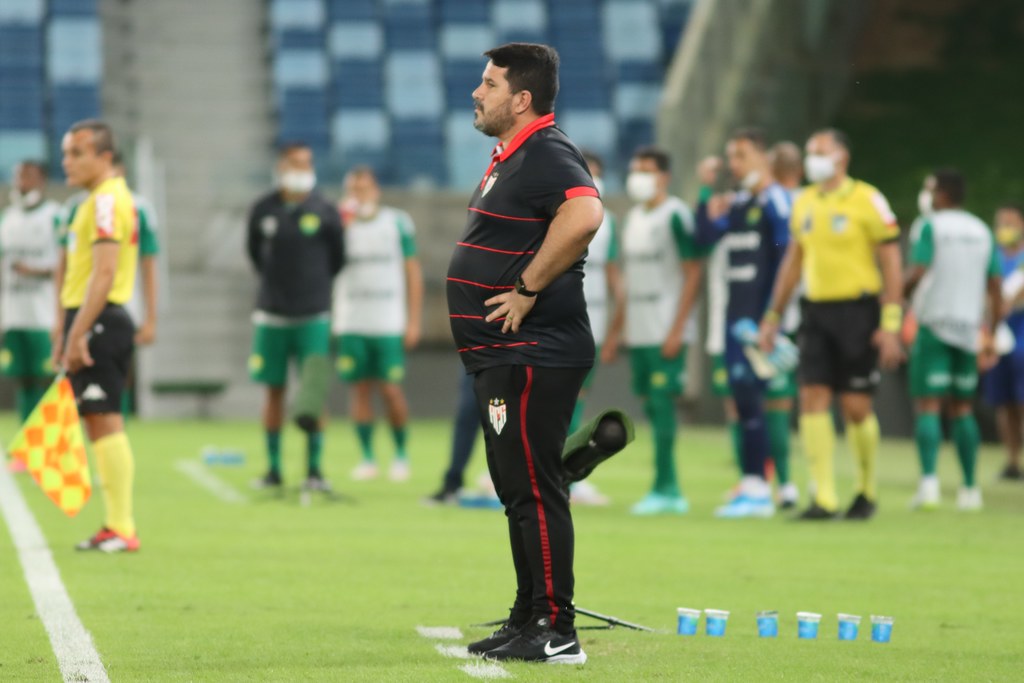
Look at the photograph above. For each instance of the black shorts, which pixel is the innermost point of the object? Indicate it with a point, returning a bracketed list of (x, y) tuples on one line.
[(98, 387), (835, 344)]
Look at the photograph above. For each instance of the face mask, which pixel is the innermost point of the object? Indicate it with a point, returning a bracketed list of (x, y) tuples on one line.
[(29, 199), (367, 210), (297, 182), (819, 167), (925, 202), (641, 187), (599, 184), (1008, 235), (751, 180)]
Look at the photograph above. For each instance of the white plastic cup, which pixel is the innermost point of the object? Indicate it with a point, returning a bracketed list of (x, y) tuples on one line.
[(714, 622), (768, 624), (687, 621), (807, 625), (849, 626)]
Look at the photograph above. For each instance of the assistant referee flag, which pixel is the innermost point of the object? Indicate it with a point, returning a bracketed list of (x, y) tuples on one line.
[(50, 445)]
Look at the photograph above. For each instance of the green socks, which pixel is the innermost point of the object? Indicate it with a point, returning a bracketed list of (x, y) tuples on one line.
[(660, 408), (274, 451), (26, 399), (736, 437), (314, 449), (778, 442), (364, 430), (967, 439), (928, 434), (400, 434)]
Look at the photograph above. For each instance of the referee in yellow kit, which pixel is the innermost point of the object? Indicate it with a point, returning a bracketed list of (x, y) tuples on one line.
[(845, 247)]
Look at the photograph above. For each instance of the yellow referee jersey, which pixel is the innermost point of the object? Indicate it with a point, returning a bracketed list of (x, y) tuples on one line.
[(107, 214), (838, 232)]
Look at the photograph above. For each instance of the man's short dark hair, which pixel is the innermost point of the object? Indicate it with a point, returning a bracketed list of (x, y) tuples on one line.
[(102, 135), (656, 154), (287, 148), (951, 183), (531, 67), (1016, 207), (40, 166), (753, 135), (593, 158), (841, 138)]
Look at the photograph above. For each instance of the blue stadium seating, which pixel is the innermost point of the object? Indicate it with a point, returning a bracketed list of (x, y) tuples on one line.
[(357, 84), (466, 41), (21, 45), (463, 12), (27, 12), (355, 40), (413, 84), (358, 10), (410, 27), (300, 69), (460, 80), (360, 129), (296, 14), (74, 50), (72, 8)]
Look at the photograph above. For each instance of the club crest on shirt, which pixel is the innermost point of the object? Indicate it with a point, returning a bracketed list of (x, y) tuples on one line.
[(489, 184), (839, 222), (498, 412), (309, 223), (754, 215), (268, 225)]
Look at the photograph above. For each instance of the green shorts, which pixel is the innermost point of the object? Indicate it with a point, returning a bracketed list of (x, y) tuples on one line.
[(720, 376), (362, 357), (274, 345), (938, 369), (654, 374), (26, 353), (778, 387)]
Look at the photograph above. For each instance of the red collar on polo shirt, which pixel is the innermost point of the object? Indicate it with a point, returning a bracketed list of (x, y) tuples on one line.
[(501, 153)]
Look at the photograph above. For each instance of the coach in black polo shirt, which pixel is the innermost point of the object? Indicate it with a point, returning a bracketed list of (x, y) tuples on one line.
[(515, 299)]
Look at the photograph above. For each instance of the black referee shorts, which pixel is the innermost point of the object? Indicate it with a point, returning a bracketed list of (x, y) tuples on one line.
[(526, 412), (835, 344), (98, 388)]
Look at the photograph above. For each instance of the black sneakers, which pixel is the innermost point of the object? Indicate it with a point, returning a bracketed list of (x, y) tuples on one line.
[(538, 642), (271, 480), (815, 513), (862, 508), (508, 631), (443, 497)]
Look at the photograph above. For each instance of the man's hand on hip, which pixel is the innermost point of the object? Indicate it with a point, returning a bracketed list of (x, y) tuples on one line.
[(511, 306)]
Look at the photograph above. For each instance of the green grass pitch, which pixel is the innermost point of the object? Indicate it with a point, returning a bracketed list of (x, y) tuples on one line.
[(268, 590)]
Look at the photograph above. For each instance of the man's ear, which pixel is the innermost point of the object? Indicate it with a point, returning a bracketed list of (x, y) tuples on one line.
[(525, 98)]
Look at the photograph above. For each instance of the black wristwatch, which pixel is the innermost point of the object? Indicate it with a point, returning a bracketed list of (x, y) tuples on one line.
[(521, 288)]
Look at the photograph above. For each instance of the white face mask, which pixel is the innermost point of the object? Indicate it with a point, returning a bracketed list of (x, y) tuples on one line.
[(641, 187), (599, 184), (27, 200), (925, 202), (297, 182), (819, 167), (751, 180), (367, 210)]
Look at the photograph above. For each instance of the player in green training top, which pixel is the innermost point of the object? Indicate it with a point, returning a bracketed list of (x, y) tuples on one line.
[(378, 300), (29, 253), (954, 268), (663, 267)]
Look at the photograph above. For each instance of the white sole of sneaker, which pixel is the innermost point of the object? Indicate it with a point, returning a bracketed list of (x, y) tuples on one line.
[(579, 658)]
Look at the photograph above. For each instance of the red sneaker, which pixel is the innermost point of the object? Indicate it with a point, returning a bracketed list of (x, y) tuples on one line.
[(109, 542)]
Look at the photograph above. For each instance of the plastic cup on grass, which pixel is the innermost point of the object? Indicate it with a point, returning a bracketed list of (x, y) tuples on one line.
[(687, 623), (768, 624), (881, 628), (807, 625), (849, 626), (714, 621)]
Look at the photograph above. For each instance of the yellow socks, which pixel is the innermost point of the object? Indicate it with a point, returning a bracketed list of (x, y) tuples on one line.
[(817, 433), (116, 467), (863, 439)]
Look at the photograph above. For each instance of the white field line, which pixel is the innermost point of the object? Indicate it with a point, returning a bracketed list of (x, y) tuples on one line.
[(198, 473), (76, 654), (478, 669)]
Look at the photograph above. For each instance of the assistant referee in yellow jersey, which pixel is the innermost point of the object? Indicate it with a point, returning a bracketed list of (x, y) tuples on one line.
[(93, 339), (845, 248)]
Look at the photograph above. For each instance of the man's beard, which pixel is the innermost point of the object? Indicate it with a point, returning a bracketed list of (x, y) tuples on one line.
[(495, 123)]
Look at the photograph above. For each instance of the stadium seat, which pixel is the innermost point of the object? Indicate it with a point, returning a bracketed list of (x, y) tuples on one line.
[(637, 100), (674, 15), (360, 129), (462, 12), (466, 41), (297, 39), (300, 68), (357, 84), (72, 8), (519, 18), (631, 31), (460, 80), (16, 145), (412, 84), (348, 10), (74, 50), (296, 14), (410, 27), (22, 106), (21, 45), (417, 147), (634, 134), (467, 151), (592, 129), (355, 40), (27, 12)]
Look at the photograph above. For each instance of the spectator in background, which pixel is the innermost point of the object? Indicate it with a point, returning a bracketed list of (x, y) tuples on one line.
[(29, 253), (378, 304), (602, 288), (787, 166), (754, 223), (845, 247), (663, 267), (1003, 385), (955, 270), (295, 245)]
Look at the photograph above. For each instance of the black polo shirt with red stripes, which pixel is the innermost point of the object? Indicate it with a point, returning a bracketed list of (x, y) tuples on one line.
[(509, 216)]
